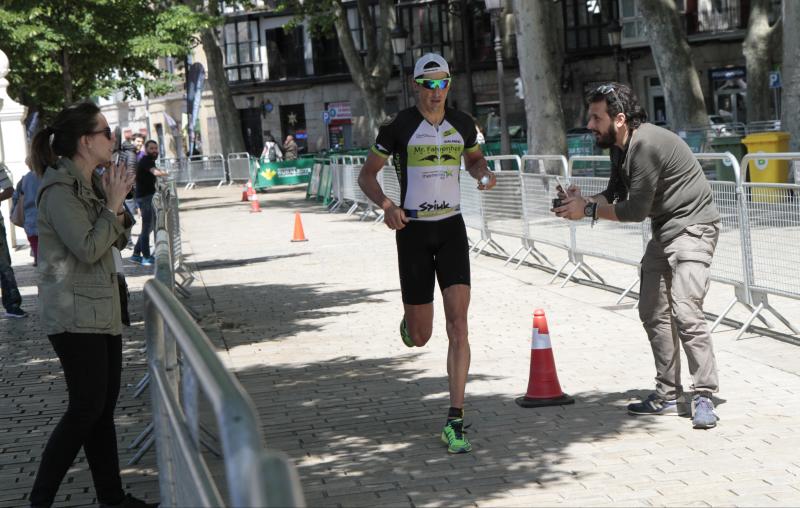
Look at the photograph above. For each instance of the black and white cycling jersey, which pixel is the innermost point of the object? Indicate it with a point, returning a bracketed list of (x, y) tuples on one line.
[(427, 159)]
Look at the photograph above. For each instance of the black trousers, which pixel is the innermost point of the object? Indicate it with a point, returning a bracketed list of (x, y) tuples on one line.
[(8, 283), (92, 366)]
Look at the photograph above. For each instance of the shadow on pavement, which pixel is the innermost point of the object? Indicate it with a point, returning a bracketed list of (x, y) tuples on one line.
[(257, 316), (217, 264), (366, 432)]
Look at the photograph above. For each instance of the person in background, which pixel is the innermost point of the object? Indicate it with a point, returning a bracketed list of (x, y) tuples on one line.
[(12, 300), (146, 173), (271, 152), (480, 138), (128, 156), (82, 223), (289, 148), (138, 144), (27, 188)]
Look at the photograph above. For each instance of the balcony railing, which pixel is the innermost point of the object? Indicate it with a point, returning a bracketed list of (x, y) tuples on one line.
[(716, 17)]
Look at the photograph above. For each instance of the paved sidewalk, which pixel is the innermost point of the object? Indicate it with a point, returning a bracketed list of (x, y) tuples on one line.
[(311, 331)]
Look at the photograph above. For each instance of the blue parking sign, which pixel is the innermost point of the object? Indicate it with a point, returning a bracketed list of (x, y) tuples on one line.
[(775, 79)]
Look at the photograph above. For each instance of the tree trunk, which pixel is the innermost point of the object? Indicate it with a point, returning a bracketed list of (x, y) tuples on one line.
[(66, 73), (372, 76), (539, 70), (757, 55), (228, 121), (790, 120), (676, 70)]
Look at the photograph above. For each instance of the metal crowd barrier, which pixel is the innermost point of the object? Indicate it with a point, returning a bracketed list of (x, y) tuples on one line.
[(390, 184), (239, 167), (178, 170), (319, 183), (473, 208), (351, 191), (181, 362), (206, 168), (314, 180), (169, 261), (542, 226), (763, 126), (337, 173), (757, 222), (771, 213), (502, 207), (254, 476)]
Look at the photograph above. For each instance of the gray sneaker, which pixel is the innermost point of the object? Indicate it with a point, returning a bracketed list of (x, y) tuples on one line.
[(703, 413), (655, 405)]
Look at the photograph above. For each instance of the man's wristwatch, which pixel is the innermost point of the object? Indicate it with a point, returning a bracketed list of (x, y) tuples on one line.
[(590, 210)]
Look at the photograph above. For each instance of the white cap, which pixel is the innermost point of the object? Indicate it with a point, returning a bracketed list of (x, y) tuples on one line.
[(430, 62)]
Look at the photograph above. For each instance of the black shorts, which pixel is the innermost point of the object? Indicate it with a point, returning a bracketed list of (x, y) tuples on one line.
[(425, 248)]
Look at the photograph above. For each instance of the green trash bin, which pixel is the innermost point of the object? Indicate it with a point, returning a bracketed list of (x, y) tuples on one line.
[(732, 144)]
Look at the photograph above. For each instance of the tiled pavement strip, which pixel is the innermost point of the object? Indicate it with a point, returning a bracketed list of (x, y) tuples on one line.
[(311, 330)]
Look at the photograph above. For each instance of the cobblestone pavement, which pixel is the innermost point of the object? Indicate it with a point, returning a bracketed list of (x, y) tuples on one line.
[(33, 397), (310, 328)]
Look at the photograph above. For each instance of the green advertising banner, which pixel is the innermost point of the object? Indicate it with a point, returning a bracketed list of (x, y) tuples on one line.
[(294, 172)]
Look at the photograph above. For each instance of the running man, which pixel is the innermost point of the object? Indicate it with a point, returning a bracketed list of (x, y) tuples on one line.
[(427, 142)]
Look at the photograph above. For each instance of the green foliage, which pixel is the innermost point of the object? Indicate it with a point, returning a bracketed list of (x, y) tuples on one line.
[(103, 45), (319, 15)]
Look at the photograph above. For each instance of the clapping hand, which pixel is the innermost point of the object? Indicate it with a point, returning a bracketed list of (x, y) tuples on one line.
[(117, 183)]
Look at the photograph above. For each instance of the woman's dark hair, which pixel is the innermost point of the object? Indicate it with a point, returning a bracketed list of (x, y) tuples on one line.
[(67, 128), (619, 99)]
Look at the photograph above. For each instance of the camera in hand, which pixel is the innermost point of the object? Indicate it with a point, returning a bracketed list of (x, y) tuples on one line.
[(556, 202)]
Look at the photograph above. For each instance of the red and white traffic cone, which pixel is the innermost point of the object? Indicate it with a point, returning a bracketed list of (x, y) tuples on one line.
[(543, 386), (253, 198)]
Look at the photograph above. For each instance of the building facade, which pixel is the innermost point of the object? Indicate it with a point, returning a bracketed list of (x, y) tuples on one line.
[(715, 30), (286, 80)]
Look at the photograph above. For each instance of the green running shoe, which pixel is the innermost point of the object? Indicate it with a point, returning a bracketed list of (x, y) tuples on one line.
[(453, 435), (405, 335)]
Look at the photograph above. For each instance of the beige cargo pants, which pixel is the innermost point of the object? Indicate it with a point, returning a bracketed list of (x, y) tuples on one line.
[(675, 277)]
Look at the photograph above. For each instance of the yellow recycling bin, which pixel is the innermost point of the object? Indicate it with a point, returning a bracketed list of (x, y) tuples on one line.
[(766, 170)]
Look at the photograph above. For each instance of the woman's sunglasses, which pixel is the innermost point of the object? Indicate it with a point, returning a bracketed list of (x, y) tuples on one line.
[(433, 84), (106, 132)]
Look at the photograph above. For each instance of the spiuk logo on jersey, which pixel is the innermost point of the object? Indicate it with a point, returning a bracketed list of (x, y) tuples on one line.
[(429, 207)]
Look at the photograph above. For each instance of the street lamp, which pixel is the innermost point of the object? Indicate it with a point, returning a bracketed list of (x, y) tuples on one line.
[(399, 41), (495, 7), (614, 31)]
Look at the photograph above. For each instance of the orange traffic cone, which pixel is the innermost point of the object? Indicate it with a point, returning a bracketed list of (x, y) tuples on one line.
[(245, 191), (299, 236), (251, 196), (543, 386)]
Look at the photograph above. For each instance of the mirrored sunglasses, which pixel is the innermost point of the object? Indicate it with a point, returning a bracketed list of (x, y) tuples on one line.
[(433, 84)]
